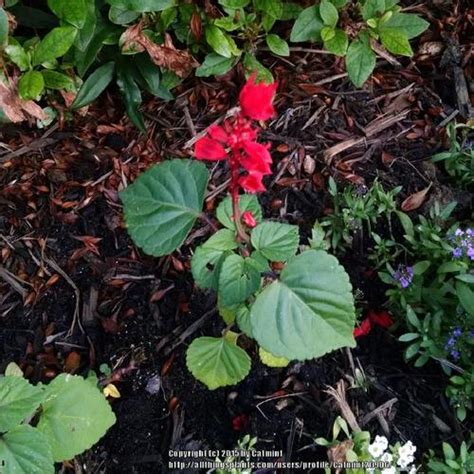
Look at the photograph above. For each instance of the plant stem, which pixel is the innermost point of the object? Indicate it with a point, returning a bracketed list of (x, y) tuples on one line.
[(234, 191)]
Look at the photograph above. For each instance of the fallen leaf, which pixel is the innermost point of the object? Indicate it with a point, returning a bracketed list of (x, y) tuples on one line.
[(15, 108), (415, 200), (72, 362), (163, 55), (111, 390)]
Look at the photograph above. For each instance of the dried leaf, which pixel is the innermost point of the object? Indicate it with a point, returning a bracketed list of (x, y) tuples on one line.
[(72, 362), (166, 55), (111, 391), (15, 108), (415, 200)]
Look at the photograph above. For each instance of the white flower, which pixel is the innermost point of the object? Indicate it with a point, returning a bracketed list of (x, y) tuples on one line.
[(389, 470), (387, 457), (382, 441), (407, 449), (404, 461), (375, 450), (412, 470)]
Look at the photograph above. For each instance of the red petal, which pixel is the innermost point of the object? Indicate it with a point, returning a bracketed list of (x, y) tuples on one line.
[(208, 149), (364, 328), (248, 219), (258, 151), (381, 318), (218, 133), (256, 99), (252, 183)]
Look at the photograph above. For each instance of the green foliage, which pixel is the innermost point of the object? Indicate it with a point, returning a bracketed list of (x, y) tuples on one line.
[(217, 361), (163, 203), (71, 415), (383, 23), (452, 463), (304, 312)]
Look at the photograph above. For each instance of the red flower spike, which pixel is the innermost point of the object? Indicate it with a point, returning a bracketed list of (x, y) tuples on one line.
[(381, 318), (256, 99), (364, 328), (252, 183), (208, 149), (239, 422), (218, 133), (248, 219)]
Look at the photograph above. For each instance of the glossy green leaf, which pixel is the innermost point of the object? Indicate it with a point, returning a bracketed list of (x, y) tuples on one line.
[(56, 80), (217, 362), (215, 65), (238, 279), (25, 450), (94, 85), (308, 312), (242, 318), (75, 415), (120, 16), (86, 33), (31, 85), (252, 65), (18, 56), (234, 3), (220, 42), (163, 203), (270, 360), (372, 8), (142, 5), (131, 95), (360, 60), (73, 12), (411, 24), (328, 13), (396, 42), (247, 202), (55, 44), (275, 241), (338, 43), (466, 297), (277, 45), (149, 77), (307, 26), (272, 8), (18, 401)]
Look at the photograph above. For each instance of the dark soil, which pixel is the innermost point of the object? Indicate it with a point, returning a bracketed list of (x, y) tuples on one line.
[(133, 308)]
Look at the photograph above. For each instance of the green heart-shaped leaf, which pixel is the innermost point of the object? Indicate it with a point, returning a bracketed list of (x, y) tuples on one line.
[(163, 203), (308, 312), (217, 361), (275, 241)]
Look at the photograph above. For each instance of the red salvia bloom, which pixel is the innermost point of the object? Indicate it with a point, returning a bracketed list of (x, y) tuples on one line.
[(364, 328), (377, 318), (256, 99), (235, 140), (248, 219)]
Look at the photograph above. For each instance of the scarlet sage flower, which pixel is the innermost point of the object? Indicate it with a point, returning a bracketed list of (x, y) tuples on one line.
[(235, 140), (378, 318), (248, 219)]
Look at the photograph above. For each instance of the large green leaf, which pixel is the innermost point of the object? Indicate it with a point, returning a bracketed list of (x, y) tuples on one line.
[(360, 60), (277, 45), (18, 401), (75, 416), (466, 297), (217, 361), (371, 8), (270, 360), (238, 279), (411, 24), (142, 5), (338, 43), (55, 44), (220, 42), (247, 202), (163, 203), (328, 13), (275, 241), (70, 11), (24, 450), (56, 80), (94, 85), (308, 312), (209, 257), (87, 31), (307, 26)]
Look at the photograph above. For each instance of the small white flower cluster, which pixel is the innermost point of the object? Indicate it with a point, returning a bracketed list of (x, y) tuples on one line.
[(405, 455)]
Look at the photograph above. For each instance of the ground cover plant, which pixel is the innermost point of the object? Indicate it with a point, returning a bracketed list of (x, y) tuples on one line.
[(236, 231)]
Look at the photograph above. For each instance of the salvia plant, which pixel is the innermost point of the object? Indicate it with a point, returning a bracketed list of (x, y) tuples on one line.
[(359, 30), (43, 424), (300, 312)]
